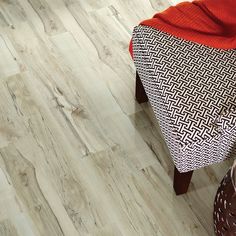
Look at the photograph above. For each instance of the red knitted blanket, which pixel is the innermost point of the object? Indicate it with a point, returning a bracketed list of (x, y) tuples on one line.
[(208, 22)]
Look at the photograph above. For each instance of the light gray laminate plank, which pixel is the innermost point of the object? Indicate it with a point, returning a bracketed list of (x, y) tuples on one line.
[(52, 24), (24, 179), (12, 13), (7, 229), (8, 61), (140, 195)]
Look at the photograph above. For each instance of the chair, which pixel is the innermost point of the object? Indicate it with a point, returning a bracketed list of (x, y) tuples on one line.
[(192, 91)]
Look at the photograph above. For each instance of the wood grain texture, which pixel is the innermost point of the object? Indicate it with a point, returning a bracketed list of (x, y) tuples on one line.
[(78, 155), (7, 229)]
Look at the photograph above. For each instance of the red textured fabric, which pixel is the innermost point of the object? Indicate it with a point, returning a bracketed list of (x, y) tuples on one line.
[(208, 22)]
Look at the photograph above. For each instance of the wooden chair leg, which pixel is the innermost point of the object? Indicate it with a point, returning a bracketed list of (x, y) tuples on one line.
[(140, 93), (182, 181)]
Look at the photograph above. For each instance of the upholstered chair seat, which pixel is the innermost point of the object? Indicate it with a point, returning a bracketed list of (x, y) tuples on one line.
[(192, 91)]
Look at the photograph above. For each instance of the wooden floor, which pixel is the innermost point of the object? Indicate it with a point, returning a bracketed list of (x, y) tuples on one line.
[(78, 155)]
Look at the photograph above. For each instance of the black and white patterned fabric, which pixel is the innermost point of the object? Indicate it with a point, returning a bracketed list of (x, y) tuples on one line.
[(192, 90)]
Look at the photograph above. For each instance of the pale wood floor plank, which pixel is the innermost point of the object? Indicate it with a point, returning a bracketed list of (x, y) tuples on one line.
[(8, 62), (7, 229)]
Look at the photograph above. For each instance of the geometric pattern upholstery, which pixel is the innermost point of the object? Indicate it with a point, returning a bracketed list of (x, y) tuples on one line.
[(192, 91)]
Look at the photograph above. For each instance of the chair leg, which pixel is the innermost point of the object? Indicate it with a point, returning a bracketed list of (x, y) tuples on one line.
[(140, 93), (182, 181)]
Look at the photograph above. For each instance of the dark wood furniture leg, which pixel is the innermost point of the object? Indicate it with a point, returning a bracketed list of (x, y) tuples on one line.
[(140, 93), (181, 181)]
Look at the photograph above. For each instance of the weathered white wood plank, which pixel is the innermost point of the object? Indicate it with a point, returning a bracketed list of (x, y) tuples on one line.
[(8, 61), (7, 229)]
